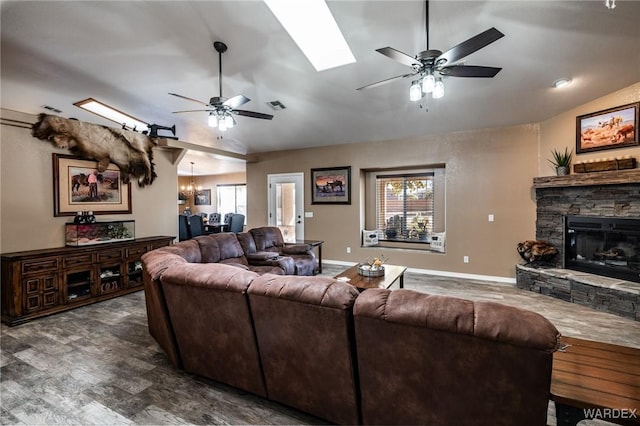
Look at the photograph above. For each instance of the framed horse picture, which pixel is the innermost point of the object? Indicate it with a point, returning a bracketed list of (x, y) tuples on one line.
[(331, 185), (78, 185)]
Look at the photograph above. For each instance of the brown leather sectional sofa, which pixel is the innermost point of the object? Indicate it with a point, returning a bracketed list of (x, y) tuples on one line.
[(376, 357)]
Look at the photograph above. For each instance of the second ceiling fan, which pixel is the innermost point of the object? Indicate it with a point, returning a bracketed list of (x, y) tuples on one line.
[(220, 108), (429, 66)]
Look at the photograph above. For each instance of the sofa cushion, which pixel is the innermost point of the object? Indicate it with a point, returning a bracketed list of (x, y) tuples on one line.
[(304, 331), (267, 238), (461, 361), (219, 247), (209, 311)]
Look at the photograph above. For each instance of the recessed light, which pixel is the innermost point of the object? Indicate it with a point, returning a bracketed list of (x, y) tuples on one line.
[(563, 82)]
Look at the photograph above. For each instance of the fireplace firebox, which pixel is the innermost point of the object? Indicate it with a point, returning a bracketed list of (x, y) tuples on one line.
[(604, 246)]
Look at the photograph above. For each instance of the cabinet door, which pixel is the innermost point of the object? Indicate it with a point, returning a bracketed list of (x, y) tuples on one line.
[(40, 292), (77, 283), (110, 278)]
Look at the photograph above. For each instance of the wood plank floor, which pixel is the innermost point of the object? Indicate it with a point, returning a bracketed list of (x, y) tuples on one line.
[(99, 365)]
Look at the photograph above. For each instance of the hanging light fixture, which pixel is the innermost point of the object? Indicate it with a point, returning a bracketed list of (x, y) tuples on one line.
[(213, 119), (415, 91), (190, 189), (428, 82), (438, 88)]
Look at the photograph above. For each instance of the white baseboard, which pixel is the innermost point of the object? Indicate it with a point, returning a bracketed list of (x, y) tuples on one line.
[(492, 278)]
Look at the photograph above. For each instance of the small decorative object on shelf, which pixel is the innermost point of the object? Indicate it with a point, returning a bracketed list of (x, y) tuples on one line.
[(562, 161), (373, 268), (605, 164), (90, 233)]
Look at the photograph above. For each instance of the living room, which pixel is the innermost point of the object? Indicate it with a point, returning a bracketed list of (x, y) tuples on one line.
[(489, 169)]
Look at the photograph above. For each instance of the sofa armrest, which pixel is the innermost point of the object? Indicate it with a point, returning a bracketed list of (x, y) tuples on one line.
[(296, 249), (261, 256)]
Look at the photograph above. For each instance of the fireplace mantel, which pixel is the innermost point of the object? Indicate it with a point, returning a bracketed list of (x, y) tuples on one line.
[(613, 177)]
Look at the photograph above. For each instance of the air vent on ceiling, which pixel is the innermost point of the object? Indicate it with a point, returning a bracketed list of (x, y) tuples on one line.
[(52, 109), (276, 105)]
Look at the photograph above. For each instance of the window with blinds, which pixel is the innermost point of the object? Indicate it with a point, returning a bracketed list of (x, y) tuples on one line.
[(404, 203)]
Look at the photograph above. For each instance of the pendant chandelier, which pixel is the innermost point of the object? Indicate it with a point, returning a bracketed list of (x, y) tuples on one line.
[(190, 189)]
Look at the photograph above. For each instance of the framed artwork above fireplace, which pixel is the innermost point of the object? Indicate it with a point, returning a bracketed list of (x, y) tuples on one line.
[(608, 129)]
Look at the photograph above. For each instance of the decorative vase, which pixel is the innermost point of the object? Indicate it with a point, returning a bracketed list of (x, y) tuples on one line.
[(562, 170), (391, 233)]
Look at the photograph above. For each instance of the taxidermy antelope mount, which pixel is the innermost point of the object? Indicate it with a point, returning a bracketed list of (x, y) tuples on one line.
[(130, 151)]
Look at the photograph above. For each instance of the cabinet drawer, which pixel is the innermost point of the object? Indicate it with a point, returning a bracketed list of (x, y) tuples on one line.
[(39, 265), (136, 251), (81, 259), (109, 255)]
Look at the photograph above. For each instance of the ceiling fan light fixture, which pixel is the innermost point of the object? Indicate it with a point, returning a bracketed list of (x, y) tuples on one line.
[(213, 120), (228, 121), (415, 91), (438, 88), (428, 83)]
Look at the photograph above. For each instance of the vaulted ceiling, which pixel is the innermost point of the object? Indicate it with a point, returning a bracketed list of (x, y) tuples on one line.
[(131, 54)]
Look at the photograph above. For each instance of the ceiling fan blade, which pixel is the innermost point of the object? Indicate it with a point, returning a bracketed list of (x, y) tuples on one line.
[(236, 101), (388, 80), (252, 114), (191, 110), (469, 71), (399, 56), (469, 46), (189, 99)]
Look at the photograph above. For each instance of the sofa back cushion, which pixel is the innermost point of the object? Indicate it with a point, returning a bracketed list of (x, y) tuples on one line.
[(304, 331), (209, 311), (247, 242), (267, 238), (425, 359), (220, 247)]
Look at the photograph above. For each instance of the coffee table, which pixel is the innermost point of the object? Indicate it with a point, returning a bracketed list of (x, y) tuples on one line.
[(596, 380), (392, 273)]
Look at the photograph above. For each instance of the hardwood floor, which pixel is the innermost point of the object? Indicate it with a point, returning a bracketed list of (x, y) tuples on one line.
[(99, 365)]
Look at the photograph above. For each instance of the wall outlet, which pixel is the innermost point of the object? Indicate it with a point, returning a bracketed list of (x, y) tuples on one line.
[(491, 218), (348, 249), (465, 259)]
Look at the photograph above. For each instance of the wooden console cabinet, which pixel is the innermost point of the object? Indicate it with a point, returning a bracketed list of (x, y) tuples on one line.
[(36, 283)]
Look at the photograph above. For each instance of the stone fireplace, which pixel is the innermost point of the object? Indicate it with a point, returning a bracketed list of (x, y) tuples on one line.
[(601, 197)]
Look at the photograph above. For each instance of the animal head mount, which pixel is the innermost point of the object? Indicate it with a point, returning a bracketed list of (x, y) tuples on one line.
[(130, 151)]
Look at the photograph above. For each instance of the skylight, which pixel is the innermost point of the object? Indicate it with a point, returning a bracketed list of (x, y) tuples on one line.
[(105, 111), (312, 26)]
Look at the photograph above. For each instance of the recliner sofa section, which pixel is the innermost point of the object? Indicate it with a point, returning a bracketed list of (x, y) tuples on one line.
[(376, 357)]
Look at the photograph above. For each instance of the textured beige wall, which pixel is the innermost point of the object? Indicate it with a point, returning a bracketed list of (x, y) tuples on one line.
[(487, 172), (26, 194), (560, 131)]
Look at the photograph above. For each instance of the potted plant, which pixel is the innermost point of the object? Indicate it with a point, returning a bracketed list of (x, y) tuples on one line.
[(562, 161), (394, 226), (419, 225)]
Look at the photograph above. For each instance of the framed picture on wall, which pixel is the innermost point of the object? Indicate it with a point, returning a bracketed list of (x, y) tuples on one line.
[(608, 129), (78, 185), (202, 197), (331, 185)]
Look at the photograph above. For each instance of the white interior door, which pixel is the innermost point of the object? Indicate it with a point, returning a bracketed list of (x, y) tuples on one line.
[(286, 204)]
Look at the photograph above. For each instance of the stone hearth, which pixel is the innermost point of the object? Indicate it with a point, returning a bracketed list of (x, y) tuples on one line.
[(600, 194), (602, 293)]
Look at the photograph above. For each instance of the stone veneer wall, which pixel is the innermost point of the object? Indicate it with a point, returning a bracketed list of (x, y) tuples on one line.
[(609, 194), (554, 203)]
